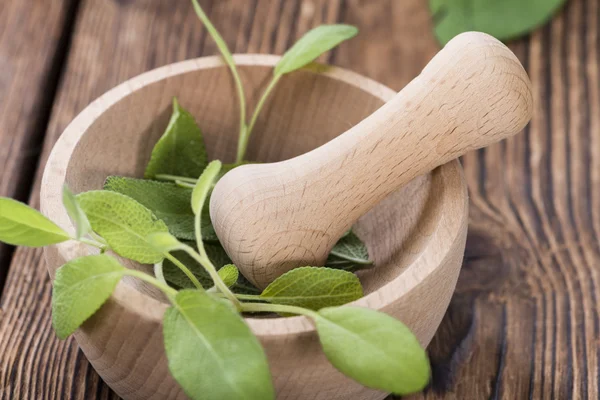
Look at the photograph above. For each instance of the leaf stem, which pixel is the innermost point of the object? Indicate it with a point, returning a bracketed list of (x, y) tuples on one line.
[(169, 291), (228, 60), (203, 260), (243, 142), (92, 242), (158, 272), (185, 184), (279, 308), (175, 178), (350, 258), (249, 297), (185, 270)]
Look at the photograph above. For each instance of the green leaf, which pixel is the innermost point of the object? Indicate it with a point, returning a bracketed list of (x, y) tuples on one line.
[(206, 226), (211, 351), (229, 274), (504, 20), (351, 250), (164, 242), (180, 151), (168, 201), (124, 223), (314, 288), (373, 348), (314, 43), (204, 186), (21, 225), (81, 286), (82, 225)]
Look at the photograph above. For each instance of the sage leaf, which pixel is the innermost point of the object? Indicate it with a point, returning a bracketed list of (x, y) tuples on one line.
[(168, 201), (81, 286), (502, 19), (206, 227), (180, 151), (373, 348), (314, 43), (164, 242), (211, 351), (124, 223), (229, 274), (82, 225), (314, 288), (21, 225), (204, 186), (351, 248)]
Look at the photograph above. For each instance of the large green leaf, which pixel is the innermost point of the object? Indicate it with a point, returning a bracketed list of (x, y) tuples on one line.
[(314, 43), (168, 201), (180, 151), (211, 351), (373, 348), (505, 19), (314, 288), (124, 223), (81, 286), (21, 225)]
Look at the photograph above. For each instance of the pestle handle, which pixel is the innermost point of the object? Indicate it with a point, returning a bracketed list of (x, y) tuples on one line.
[(275, 217)]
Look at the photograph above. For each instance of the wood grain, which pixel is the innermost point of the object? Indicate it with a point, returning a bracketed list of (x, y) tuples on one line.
[(524, 322), (33, 42)]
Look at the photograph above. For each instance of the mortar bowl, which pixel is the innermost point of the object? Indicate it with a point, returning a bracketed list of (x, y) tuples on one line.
[(416, 236)]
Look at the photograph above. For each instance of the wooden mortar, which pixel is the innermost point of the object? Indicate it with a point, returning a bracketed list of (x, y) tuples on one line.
[(416, 236)]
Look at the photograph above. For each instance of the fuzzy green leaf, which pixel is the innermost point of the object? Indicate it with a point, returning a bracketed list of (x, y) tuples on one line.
[(21, 225), (229, 274), (164, 242), (168, 201), (124, 223), (504, 20), (373, 348), (211, 351), (314, 288), (180, 151), (82, 224), (314, 43), (349, 253), (81, 286)]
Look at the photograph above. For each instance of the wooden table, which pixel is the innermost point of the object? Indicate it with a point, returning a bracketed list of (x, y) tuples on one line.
[(524, 322)]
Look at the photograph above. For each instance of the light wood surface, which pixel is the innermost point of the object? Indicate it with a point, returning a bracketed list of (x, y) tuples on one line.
[(115, 136), (275, 217), (524, 319)]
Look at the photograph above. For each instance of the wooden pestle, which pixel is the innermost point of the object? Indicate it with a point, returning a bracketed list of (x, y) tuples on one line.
[(274, 217)]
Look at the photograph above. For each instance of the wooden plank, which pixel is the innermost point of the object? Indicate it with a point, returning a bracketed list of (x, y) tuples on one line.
[(32, 43), (524, 321)]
